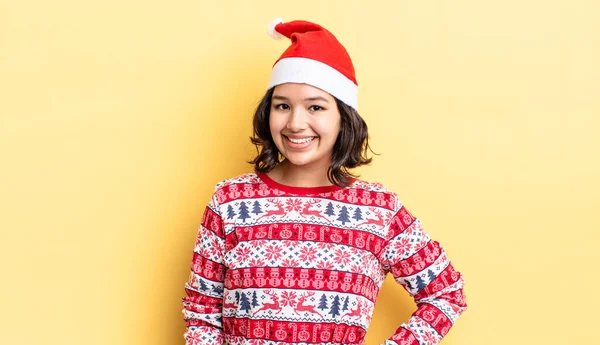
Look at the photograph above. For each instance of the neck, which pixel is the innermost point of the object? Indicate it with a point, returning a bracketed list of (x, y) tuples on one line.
[(300, 176)]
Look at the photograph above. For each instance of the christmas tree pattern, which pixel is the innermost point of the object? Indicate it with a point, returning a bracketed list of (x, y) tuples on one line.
[(343, 217), (254, 300), (203, 286), (430, 275), (420, 283), (345, 304), (329, 210), (323, 303), (357, 214), (245, 303), (256, 208), (335, 307), (243, 212), (230, 212)]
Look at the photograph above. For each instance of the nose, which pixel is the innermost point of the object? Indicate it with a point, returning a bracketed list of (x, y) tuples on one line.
[(297, 120)]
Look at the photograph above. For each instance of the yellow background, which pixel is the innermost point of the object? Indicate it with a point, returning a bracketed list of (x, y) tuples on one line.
[(118, 117)]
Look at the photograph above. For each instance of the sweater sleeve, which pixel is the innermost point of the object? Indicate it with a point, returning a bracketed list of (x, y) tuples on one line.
[(422, 267), (204, 289)]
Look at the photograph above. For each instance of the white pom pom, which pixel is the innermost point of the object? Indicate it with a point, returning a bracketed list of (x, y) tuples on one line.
[(271, 29)]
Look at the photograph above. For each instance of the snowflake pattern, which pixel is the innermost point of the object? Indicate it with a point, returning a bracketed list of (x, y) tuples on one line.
[(293, 205), (288, 298)]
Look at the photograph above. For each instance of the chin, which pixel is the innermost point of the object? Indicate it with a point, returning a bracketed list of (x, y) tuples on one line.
[(303, 161), (298, 162)]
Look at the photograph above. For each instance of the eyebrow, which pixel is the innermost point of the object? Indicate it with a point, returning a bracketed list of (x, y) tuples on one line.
[(317, 98)]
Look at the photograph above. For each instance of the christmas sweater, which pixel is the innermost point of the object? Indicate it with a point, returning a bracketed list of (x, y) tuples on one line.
[(275, 264)]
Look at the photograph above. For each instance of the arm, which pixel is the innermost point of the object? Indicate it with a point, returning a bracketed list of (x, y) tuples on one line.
[(422, 266), (203, 304)]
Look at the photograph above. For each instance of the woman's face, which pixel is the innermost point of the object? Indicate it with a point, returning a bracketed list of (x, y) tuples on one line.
[(305, 123)]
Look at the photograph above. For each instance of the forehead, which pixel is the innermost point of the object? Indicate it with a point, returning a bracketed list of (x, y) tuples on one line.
[(295, 91)]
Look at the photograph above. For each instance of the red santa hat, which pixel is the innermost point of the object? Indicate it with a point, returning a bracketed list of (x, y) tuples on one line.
[(315, 58)]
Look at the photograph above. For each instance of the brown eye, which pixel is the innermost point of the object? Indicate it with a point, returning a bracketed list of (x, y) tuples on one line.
[(282, 106), (315, 108)]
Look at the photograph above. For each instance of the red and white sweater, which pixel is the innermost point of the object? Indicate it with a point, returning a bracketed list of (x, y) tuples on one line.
[(276, 264)]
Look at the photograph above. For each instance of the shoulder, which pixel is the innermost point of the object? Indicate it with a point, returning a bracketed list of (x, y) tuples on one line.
[(395, 205), (369, 186), (232, 188), (375, 190), (245, 178)]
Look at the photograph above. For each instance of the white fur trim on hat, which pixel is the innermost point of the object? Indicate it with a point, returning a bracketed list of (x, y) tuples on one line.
[(317, 74), (271, 29)]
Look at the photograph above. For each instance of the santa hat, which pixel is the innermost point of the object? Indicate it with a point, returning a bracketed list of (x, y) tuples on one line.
[(315, 58)]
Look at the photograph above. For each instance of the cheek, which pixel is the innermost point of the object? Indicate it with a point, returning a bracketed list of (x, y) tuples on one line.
[(274, 127), (328, 129)]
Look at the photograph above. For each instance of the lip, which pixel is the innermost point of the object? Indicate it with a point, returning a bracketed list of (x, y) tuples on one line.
[(299, 137), (295, 146)]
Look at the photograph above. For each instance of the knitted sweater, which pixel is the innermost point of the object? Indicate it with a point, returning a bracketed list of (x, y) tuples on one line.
[(276, 264)]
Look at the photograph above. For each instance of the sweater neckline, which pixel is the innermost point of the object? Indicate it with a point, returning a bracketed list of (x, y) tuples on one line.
[(297, 190)]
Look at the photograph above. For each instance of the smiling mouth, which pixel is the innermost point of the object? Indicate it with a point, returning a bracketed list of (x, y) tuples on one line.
[(300, 141)]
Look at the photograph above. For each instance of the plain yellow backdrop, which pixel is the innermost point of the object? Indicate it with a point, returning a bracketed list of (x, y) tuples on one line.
[(118, 117)]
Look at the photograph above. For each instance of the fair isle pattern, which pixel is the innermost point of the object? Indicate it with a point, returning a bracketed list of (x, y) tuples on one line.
[(275, 265)]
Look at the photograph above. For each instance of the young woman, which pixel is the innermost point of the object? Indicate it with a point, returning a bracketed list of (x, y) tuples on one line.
[(297, 251)]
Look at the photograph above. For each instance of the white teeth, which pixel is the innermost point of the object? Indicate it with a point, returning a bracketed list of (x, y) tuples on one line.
[(301, 141)]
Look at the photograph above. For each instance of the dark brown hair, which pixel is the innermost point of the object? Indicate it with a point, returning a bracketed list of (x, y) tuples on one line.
[(349, 151)]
